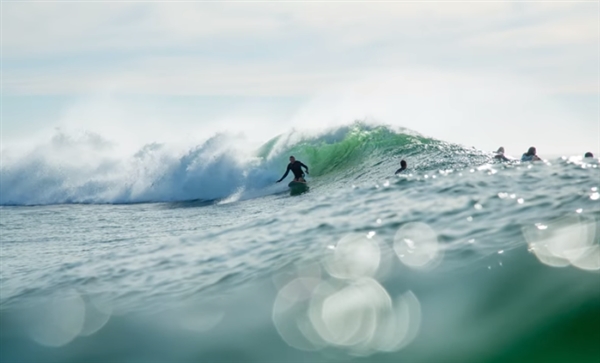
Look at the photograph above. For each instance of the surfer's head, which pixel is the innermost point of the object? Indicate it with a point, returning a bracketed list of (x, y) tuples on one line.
[(500, 150), (531, 151), (292, 159), (588, 155), (403, 164)]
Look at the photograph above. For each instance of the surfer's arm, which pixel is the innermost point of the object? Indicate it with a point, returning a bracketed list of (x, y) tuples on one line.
[(306, 167), (284, 175)]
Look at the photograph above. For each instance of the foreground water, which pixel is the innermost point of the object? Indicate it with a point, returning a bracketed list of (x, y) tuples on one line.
[(479, 262)]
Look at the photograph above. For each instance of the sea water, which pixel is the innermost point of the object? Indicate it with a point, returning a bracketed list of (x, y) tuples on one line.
[(202, 257)]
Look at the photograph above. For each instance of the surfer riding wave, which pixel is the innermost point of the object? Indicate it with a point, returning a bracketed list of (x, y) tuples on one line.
[(296, 167)]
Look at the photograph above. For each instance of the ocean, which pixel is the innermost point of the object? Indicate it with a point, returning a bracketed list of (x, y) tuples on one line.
[(199, 256)]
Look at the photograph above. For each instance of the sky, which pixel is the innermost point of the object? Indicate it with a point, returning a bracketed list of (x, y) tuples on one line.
[(479, 73)]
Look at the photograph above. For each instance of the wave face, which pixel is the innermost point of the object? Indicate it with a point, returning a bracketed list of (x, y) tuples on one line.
[(84, 169)]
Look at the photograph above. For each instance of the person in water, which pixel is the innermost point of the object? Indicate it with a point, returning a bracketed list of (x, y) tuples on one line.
[(402, 167), (500, 154), (296, 167), (530, 155), (588, 155)]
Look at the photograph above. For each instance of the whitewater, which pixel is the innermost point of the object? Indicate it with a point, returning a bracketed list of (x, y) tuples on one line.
[(196, 254)]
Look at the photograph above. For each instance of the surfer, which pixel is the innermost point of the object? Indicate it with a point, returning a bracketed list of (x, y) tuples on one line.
[(530, 155), (296, 167), (402, 167), (500, 154)]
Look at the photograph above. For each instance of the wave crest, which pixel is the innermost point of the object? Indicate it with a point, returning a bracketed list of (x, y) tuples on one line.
[(85, 169)]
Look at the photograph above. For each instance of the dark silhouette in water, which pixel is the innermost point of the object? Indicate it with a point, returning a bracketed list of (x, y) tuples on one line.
[(500, 154), (588, 155), (530, 155), (296, 167), (402, 167)]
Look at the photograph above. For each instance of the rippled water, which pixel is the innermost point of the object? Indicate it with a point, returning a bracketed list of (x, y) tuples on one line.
[(494, 262)]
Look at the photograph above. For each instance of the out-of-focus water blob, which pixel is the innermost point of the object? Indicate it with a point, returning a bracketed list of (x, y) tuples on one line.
[(590, 260), (407, 322), (567, 240), (348, 316), (58, 319), (290, 315), (361, 317), (416, 244), (97, 314), (355, 255)]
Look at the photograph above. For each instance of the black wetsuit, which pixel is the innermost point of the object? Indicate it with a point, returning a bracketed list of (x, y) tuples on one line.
[(400, 170), (296, 168)]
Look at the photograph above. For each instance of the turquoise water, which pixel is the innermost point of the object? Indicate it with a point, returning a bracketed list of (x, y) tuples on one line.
[(461, 259)]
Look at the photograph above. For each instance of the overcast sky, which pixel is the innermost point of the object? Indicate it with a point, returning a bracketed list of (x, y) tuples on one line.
[(483, 74)]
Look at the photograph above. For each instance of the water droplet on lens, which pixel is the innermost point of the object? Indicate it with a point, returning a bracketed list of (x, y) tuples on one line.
[(290, 312), (355, 255), (478, 206), (417, 246), (520, 200), (571, 240), (57, 319)]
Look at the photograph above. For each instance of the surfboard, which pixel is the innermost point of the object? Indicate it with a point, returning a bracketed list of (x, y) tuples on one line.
[(297, 188)]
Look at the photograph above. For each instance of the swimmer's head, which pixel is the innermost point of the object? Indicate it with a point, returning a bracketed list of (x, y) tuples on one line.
[(588, 155), (500, 150), (292, 159), (531, 151), (403, 164)]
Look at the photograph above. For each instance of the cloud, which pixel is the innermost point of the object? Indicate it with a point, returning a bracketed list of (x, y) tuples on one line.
[(177, 76), (581, 30), (285, 48), (59, 28), (34, 29)]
